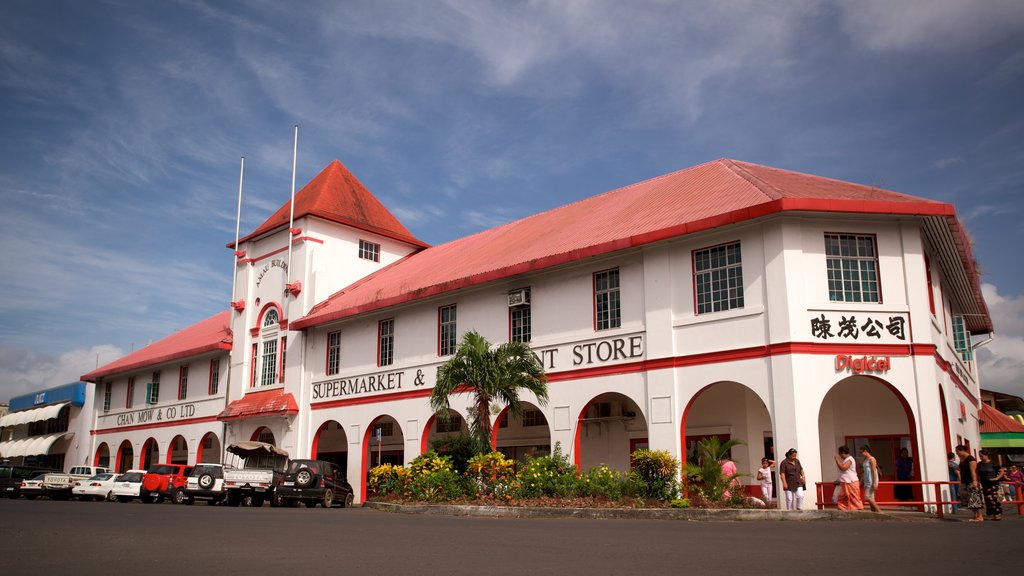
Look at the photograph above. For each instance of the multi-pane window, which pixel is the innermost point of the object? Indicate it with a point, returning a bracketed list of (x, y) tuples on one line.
[(452, 424), (182, 382), (718, 278), (962, 340), (333, 352), (519, 323), (386, 428), (607, 309), (268, 374), (534, 418), (214, 376), (129, 397), (386, 342), (852, 263), (446, 330), (106, 396), (153, 389), (369, 251)]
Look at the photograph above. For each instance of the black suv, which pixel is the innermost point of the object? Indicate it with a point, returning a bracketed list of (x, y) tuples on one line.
[(11, 477), (313, 481)]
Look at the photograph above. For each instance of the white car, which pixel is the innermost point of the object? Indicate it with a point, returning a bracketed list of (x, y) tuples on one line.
[(127, 486), (98, 487)]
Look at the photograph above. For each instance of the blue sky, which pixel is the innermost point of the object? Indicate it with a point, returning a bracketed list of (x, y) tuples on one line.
[(123, 123)]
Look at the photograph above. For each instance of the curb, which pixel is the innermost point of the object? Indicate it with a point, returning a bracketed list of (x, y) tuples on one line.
[(689, 515)]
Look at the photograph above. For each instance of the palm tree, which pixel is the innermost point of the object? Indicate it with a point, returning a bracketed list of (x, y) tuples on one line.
[(490, 375), (713, 483)]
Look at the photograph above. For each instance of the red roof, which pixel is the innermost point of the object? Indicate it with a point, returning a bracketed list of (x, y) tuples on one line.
[(994, 421), (713, 194), (211, 334), (266, 403), (336, 195)]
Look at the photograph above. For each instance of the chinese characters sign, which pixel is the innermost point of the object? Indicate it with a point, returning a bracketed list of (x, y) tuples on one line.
[(865, 327)]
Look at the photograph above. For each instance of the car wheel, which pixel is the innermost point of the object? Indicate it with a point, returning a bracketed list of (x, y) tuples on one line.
[(328, 498), (206, 481), (13, 495), (349, 499), (110, 497), (179, 496), (304, 478)]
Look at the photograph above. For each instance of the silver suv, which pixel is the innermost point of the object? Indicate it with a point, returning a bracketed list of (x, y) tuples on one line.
[(205, 483)]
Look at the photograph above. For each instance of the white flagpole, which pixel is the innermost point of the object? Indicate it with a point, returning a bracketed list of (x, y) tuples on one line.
[(291, 215), (238, 224)]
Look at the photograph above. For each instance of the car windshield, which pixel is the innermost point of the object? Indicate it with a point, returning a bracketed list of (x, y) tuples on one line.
[(40, 476), (296, 465), (103, 476), (130, 477)]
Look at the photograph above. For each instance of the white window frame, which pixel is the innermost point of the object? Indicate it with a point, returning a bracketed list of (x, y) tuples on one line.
[(447, 330), (718, 278), (369, 250), (852, 272), (607, 300), (386, 342), (333, 353)]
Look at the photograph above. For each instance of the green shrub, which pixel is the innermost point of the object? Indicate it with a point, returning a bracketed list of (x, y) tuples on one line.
[(387, 479), (439, 485), (707, 480), (547, 476), (602, 482), (654, 474), (680, 503), (491, 474), (459, 449)]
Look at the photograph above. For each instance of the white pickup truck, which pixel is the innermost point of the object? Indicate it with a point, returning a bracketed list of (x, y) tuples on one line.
[(256, 479), (58, 485)]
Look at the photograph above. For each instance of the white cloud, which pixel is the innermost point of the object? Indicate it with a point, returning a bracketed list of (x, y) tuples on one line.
[(24, 372), (1001, 362)]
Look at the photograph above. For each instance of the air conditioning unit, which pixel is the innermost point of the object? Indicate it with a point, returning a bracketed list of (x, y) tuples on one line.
[(519, 298)]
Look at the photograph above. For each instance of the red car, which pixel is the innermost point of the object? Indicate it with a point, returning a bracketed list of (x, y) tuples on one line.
[(161, 480)]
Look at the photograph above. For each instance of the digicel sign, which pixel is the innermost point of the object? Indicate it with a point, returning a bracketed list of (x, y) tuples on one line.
[(862, 364)]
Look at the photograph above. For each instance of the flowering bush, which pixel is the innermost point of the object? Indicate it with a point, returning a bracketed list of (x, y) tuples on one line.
[(492, 473), (654, 472), (602, 482), (387, 479), (547, 476)]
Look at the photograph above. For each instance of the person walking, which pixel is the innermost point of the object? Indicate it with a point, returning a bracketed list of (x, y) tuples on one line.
[(1016, 478), (849, 485), (970, 488), (791, 472), (869, 477), (990, 474), (765, 476), (904, 472), (954, 478)]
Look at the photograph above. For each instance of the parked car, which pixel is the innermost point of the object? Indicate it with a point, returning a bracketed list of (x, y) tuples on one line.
[(205, 483), (128, 486), (313, 482), (59, 484), (11, 478), (33, 487), (98, 487), (257, 479), (161, 480)]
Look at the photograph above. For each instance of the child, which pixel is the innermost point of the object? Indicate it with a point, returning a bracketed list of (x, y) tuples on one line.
[(765, 477)]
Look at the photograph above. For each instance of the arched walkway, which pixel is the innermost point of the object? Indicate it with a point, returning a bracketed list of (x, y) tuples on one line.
[(862, 410), (386, 446), (209, 449), (330, 443), (125, 457), (438, 430), (177, 452), (102, 457), (150, 454), (609, 429), (730, 411), (264, 434), (520, 438)]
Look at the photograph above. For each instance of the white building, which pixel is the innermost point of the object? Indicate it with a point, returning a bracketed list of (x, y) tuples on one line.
[(49, 428), (729, 299)]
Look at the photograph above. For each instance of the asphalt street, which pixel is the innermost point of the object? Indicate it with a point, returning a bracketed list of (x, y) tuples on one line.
[(45, 537)]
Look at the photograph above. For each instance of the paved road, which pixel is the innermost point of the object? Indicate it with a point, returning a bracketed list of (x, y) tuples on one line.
[(81, 538)]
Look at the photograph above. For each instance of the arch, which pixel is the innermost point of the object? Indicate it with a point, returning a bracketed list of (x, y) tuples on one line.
[(609, 428), (264, 434), (864, 409), (729, 410), (177, 450), (330, 443), (436, 430), (208, 451), (102, 457), (261, 318), (125, 457), (523, 437), (391, 456), (150, 454)]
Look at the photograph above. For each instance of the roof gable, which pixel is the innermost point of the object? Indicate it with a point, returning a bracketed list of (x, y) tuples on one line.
[(335, 194), (208, 335), (706, 196)]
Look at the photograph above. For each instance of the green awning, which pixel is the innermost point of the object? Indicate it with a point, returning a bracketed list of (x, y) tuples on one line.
[(1002, 440)]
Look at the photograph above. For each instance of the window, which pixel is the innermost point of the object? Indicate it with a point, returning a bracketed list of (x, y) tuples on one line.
[(214, 376), (271, 319), (852, 265), (333, 352), (519, 324), (453, 424), (931, 291), (962, 339), (129, 397), (386, 428), (446, 330), (718, 278), (106, 397), (369, 251), (386, 342), (607, 310), (268, 375), (182, 382), (534, 418), (153, 389)]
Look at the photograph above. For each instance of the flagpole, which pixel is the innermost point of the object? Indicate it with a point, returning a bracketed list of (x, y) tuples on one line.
[(291, 215), (238, 225)]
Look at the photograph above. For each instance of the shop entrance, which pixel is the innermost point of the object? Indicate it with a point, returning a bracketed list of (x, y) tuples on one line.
[(102, 456), (177, 453), (438, 430), (330, 444), (150, 454), (125, 457), (209, 449), (608, 428), (385, 442)]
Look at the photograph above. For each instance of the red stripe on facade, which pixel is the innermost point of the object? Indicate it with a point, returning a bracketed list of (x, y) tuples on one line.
[(164, 424)]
